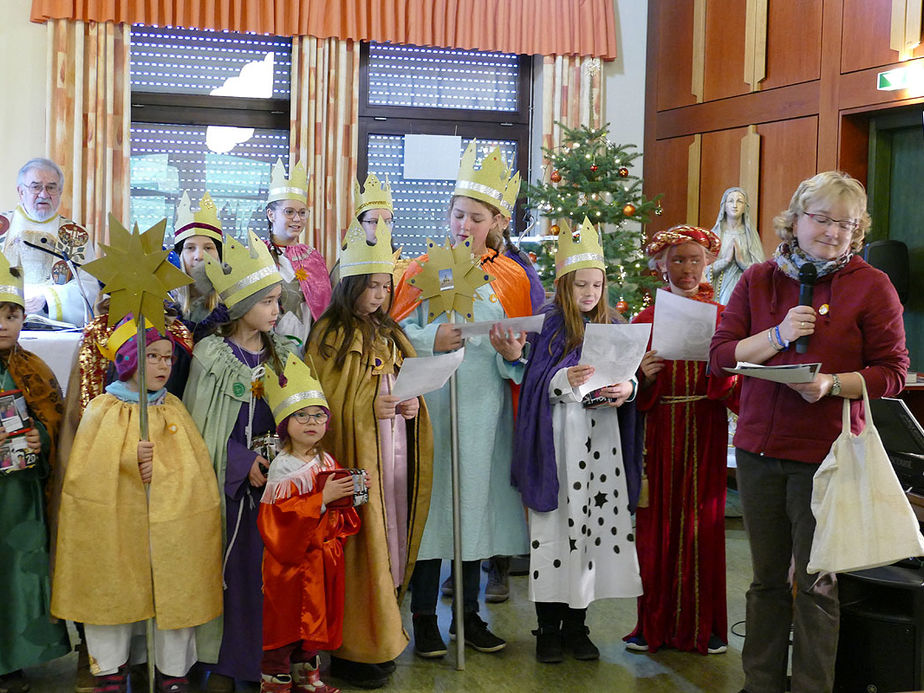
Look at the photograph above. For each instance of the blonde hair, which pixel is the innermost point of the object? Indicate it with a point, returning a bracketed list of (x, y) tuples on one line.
[(827, 186)]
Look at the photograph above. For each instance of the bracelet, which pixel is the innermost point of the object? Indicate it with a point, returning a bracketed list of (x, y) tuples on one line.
[(783, 343), (772, 343)]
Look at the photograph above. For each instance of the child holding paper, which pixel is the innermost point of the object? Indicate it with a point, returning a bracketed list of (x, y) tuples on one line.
[(568, 463), (357, 349), (681, 532), (492, 514)]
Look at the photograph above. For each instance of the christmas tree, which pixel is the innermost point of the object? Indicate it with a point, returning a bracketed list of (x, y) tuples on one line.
[(590, 176)]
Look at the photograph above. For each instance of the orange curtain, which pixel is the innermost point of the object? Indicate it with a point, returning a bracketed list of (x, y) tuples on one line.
[(89, 120), (572, 95), (323, 133), (532, 27)]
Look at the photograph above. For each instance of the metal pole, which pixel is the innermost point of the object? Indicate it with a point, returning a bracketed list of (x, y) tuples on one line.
[(458, 597), (140, 343)]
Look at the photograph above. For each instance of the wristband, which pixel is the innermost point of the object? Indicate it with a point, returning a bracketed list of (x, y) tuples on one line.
[(783, 343), (772, 343)]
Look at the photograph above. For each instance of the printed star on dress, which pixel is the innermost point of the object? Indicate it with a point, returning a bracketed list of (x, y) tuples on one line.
[(572, 544), (449, 278), (600, 499), (135, 272)]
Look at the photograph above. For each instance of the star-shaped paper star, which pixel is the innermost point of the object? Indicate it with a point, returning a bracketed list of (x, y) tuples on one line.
[(449, 278), (135, 272)]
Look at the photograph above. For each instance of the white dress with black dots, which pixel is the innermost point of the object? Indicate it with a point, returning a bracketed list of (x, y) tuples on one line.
[(584, 550)]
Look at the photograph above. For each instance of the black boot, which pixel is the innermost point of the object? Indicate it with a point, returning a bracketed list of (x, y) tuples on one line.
[(548, 635), (575, 637)]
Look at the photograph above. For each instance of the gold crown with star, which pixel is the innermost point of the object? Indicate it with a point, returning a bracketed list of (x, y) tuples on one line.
[(358, 257), (245, 270), (205, 222), (494, 183), (296, 389), (580, 249), (373, 195), (293, 188), (11, 285)]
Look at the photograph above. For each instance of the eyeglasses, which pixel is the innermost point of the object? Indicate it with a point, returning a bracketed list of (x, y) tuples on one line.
[(50, 188), (154, 359), (292, 213), (390, 223), (844, 224), (304, 417)]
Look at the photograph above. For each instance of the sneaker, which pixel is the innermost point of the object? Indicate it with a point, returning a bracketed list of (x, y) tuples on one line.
[(477, 634), (636, 643), (306, 677), (170, 684), (548, 645), (447, 588), (358, 674), (428, 642), (14, 682), (113, 683), (497, 589), (275, 683), (219, 683), (716, 646), (577, 641)]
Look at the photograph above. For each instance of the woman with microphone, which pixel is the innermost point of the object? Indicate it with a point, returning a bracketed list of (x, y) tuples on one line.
[(854, 328)]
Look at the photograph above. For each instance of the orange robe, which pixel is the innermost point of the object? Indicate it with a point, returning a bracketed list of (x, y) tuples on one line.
[(303, 575)]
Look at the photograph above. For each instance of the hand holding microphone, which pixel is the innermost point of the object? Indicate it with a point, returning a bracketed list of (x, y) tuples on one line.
[(799, 322)]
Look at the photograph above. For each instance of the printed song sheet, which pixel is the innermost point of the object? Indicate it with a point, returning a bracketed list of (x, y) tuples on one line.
[(789, 373), (531, 323), (418, 376), (615, 352), (682, 327)]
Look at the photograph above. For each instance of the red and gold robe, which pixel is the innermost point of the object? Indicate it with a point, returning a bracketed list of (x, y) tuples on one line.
[(680, 536)]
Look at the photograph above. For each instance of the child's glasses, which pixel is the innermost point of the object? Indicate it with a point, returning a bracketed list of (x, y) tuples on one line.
[(154, 359), (304, 417)]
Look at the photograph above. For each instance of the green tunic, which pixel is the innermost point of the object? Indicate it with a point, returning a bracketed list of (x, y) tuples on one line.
[(27, 634)]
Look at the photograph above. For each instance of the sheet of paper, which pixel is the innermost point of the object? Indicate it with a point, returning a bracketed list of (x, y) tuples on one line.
[(789, 373), (431, 157), (418, 376), (615, 352), (531, 323), (682, 327)]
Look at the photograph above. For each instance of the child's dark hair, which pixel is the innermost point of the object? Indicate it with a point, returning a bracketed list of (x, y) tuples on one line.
[(226, 329), (12, 307), (340, 314)]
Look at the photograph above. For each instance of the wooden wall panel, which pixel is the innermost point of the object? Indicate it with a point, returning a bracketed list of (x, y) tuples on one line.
[(866, 32), (666, 172), (793, 42), (787, 157), (720, 169), (675, 55), (725, 25)]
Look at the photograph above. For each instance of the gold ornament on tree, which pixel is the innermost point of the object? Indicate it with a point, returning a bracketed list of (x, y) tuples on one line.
[(448, 279), (628, 210)]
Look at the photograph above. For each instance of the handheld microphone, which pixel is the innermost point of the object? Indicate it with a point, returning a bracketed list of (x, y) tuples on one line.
[(807, 276)]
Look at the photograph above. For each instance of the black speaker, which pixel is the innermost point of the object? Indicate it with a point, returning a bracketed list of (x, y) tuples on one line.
[(892, 258), (875, 652)]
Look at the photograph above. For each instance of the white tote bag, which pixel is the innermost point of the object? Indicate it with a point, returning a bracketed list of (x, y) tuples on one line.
[(862, 517)]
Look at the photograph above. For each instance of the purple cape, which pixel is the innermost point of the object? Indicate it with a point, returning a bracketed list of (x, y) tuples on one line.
[(533, 469)]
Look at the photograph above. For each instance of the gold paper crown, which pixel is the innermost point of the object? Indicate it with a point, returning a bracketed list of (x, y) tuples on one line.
[(120, 335), (373, 195), (11, 287), (252, 269), (301, 389), (492, 183), (359, 257), (578, 250), (205, 222), (282, 188)]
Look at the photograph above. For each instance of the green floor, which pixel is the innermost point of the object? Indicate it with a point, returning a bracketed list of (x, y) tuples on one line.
[(516, 669)]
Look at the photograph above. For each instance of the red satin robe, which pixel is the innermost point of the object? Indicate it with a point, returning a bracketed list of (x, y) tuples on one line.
[(303, 574), (680, 536)]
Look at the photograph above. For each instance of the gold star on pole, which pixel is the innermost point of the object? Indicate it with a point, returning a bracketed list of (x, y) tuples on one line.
[(136, 273), (449, 279)]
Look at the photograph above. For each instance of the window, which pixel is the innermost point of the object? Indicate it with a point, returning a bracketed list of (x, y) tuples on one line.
[(210, 111), (438, 91)]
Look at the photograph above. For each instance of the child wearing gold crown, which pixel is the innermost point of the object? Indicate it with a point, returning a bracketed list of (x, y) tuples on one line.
[(568, 462), (119, 543), (223, 395), (358, 349), (306, 283), (303, 564), (24, 587), (492, 514)]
